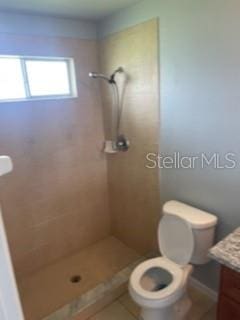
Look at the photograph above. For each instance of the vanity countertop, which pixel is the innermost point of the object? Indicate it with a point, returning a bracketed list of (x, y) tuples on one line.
[(227, 251)]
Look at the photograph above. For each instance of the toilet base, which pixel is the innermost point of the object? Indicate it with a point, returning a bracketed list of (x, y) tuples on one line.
[(178, 311)]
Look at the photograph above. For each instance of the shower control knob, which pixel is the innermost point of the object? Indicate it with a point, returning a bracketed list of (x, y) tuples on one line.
[(122, 144)]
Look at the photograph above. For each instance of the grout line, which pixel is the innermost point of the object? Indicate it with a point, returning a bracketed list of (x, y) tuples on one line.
[(129, 311)]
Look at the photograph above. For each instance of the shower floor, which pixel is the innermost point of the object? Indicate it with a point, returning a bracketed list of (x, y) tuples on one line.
[(49, 289)]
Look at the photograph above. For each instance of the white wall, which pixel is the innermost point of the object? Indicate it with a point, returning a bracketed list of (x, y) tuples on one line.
[(25, 24), (200, 100)]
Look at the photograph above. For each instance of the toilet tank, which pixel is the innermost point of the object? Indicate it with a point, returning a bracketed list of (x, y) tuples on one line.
[(202, 224)]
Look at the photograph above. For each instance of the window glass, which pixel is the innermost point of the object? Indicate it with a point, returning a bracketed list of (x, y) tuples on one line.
[(48, 77), (11, 79)]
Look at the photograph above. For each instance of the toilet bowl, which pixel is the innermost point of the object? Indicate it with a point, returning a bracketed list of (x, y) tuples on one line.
[(159, 285), (158, 282)]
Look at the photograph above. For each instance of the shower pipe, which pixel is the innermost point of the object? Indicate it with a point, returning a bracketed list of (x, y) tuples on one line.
[(119, 142)]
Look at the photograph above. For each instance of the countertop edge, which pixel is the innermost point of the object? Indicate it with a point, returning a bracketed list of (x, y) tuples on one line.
[(227, 251)]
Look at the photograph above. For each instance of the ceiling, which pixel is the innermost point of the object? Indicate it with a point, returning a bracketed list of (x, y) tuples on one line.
[(87, 9)]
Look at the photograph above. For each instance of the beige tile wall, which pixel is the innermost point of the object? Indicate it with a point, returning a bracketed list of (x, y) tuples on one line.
[(55, 202), (134, 189)]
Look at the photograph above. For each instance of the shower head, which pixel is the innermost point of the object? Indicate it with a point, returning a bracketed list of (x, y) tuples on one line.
[(92, 75)]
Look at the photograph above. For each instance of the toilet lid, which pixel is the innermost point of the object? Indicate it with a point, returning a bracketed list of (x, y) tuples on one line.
[(175, 239)]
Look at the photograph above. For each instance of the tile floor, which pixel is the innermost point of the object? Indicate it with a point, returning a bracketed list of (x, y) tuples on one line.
[(125, 309)]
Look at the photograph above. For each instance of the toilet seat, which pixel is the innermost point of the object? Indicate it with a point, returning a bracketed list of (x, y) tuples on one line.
[(166, 296)]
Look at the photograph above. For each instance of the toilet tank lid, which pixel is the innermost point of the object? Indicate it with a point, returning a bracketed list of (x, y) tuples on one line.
[(197, 218)]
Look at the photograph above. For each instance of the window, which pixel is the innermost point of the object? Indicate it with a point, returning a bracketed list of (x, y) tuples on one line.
[(28, 78)]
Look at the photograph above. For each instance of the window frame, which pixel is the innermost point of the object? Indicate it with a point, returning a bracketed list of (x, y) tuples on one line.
[(71, 78)]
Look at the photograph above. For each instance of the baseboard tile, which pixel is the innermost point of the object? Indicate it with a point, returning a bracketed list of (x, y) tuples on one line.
[(212, 294)]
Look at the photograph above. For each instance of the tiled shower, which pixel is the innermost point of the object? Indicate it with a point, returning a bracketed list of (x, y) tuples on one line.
[(78, 219)]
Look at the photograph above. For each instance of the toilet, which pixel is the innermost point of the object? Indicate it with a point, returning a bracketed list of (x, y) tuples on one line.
[(159, 285)]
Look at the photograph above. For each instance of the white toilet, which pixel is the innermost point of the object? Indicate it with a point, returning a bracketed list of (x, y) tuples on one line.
[(159, 286)]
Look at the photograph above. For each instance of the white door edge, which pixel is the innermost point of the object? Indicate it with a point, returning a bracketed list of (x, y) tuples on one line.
[(10, 306)]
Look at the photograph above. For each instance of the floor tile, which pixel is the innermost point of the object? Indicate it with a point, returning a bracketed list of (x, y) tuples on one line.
[(203, 308), (211, 315), (129, 304), (201, 304), (115, 311)]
